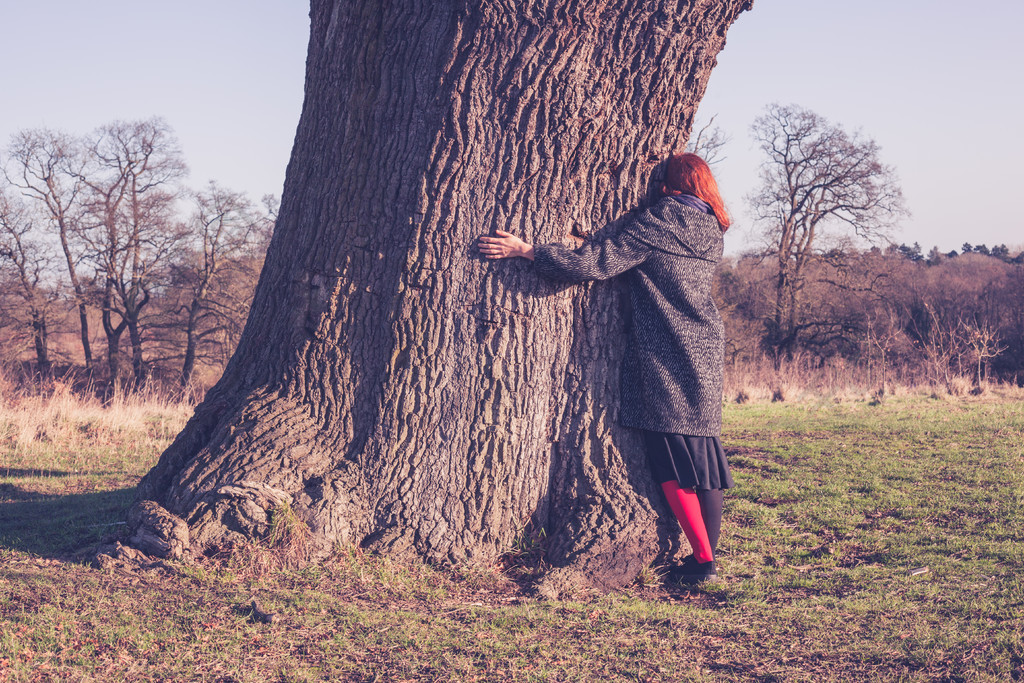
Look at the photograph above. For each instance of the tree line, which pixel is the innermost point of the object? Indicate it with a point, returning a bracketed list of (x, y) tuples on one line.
[(99, 231), (954, 322)]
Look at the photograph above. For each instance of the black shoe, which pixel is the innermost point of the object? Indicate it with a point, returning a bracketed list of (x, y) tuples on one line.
[(691, 572)]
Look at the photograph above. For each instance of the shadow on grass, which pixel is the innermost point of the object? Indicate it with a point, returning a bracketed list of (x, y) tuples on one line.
[(57, 526), (14, 472)]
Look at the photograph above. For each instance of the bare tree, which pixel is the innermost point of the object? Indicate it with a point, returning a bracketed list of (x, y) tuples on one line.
[(223, 231), (46, 166), (199, 311), (393, 388), (884, 331), (27, 259), (709, 142), (943, 343), (983, 339), (816, 176), (130, 176)]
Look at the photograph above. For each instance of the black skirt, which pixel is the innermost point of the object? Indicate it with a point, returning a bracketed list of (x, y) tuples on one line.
[(696, 462)]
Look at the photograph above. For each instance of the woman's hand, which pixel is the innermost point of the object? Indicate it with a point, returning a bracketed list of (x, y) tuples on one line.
[(505, 245)]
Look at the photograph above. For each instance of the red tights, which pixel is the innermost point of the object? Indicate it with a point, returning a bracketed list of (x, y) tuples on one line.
[(686, 506)]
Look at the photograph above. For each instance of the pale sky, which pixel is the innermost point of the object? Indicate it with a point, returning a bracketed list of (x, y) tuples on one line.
[(936, 83)]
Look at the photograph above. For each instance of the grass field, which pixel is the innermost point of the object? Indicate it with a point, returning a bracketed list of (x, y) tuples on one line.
[(836, 505)]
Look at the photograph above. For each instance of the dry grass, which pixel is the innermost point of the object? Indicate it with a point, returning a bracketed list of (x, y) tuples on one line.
[(69, 464), (805, 379), (62, 416)]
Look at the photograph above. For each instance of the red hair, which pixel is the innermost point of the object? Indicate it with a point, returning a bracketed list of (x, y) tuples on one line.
[(688, 173)]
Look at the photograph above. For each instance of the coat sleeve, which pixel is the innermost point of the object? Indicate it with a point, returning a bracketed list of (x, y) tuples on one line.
[(610, 253)]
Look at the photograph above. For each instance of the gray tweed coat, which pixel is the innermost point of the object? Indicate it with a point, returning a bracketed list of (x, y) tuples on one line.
[(672, 366)]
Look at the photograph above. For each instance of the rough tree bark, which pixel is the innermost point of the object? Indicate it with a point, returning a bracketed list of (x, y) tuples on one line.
[(394, 388)]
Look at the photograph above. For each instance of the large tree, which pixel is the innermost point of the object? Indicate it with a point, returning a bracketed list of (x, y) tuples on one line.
[(393, 388)]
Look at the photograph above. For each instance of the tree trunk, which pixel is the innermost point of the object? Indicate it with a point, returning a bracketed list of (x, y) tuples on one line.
[(76, 287), (83, 327), (114, 355), (391, 386), (113, 334), (775, 332), (138, 361), (191, 342), (41, 342), (132, 317)]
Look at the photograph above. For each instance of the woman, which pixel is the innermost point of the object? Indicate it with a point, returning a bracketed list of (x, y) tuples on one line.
[(672, 367)]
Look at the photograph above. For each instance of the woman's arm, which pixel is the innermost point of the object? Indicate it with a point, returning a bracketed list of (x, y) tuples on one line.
[(608, 253)]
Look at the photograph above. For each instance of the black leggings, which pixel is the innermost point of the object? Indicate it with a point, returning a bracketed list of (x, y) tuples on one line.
[(711, 511)]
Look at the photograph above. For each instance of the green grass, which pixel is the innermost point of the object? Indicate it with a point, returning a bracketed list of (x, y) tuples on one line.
[(835, 503)]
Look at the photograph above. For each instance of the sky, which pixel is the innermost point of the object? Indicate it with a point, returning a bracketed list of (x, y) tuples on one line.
[(937, 83)]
